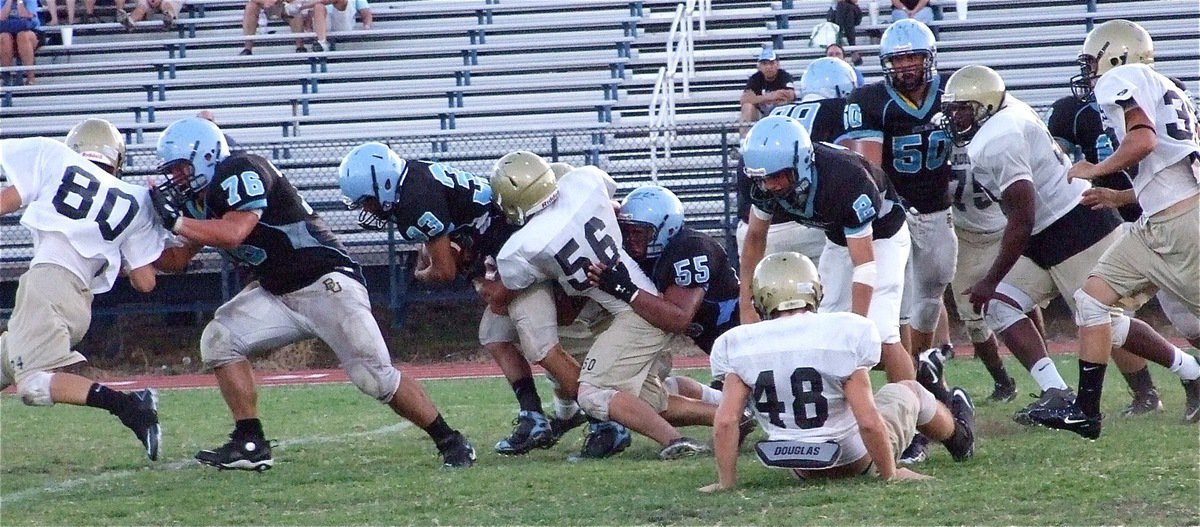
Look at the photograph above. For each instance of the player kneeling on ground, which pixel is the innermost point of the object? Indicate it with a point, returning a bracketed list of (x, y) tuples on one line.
[(807, 374)]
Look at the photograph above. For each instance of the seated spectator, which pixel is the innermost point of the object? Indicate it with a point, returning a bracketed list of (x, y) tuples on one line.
[(342, 18), (918, 9), (52, 7), (836, 51), (847, 15), (297, 13), (18, 38), (169, 9), (767, 88)]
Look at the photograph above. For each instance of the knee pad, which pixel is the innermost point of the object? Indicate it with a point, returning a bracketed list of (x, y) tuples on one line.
[(1120, 329), (1091, 312), (35, 389), (927, 403), (378, 381), (977, 330), (595, 401), (1000, 314), (218, 347), (672, 385), (924, 313)]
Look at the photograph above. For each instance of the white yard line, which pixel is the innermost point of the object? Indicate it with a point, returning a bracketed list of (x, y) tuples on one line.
[(181, 464)]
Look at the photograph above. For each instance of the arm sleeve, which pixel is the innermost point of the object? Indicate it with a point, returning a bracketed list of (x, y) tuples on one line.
[(860, 207), (243, 187), (1004, 162)]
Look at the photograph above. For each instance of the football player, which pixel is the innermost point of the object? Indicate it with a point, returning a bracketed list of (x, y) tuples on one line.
[(1155, 126), (1075, 122), (806, 376), (88, 227), (305, 285), (824, 87), (564, 229), (891, 123), (450, 212), (1050, 241)]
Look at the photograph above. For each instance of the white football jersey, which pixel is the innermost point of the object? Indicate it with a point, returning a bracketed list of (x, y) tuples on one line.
[(796, 367), (81, 217), (1013, 145), (563, 240), (974, 208), (1174, 119)]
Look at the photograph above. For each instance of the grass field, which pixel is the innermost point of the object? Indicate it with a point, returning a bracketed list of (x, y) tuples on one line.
[(343, 459)]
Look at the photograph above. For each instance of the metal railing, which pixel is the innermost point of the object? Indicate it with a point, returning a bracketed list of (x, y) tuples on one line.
[(679, 69)]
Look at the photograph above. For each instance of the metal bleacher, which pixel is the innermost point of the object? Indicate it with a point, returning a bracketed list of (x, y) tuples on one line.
[(465, 81)]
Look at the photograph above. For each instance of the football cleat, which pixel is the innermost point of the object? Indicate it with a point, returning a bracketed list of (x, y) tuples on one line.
[(961, 443), (560, 427), (917, 450), (605, 439), (1143, 403), (456, 452), (747, 425), (1003, 392), (142, 418), (946, 352), (239, 453), (1053, 398), (1191, 409), (530, 430), (1070, 418), (930, 370), (683, 447)]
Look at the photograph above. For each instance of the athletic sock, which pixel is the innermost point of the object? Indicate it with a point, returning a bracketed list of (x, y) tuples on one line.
[(248, 428), (101, 396), (1139, 381), (1046, 375), (438, 430), (564, 408), (1091, 383), (1185, 366), (710, 395), (527, 395)]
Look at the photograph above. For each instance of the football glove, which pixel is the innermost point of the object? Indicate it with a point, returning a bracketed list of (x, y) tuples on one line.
[(166, 208), (615, 281)]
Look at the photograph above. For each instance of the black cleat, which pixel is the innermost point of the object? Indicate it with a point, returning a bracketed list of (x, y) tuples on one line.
[(946, 351), (560, 427), (1191, 409), (1003, 392), (1070, 418), (1142, 404), (605, 439), (239, 453), (530, 430), (746, 426), (916, 451), (930, 370), (457, 452), (142, 418), (962, 443), (1053, 398)]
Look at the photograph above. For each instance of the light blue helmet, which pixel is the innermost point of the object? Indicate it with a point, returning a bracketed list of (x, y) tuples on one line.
[(655, 208), (777, 143), (197, 142), (828, 78), (371, 170), (904, 37)]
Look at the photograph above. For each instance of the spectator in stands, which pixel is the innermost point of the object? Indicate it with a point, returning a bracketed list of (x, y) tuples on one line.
[(836, 51), (18, 38), (297, 13), (918, 9), (52, 6), (847, 15), (169, 9), (342, 19), (769, 87)]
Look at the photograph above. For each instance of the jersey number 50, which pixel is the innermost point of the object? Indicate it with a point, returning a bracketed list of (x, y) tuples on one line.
[(77, 194), (907, 155)]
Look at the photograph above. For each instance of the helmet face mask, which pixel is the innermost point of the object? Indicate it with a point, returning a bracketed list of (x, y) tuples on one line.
[(370, 177), (649, 217), (973, 95), (196, 143), (1083, 84), (908, 54), (962, 119)]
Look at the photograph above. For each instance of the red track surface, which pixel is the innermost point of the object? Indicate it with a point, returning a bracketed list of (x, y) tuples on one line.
[(454, 370)]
